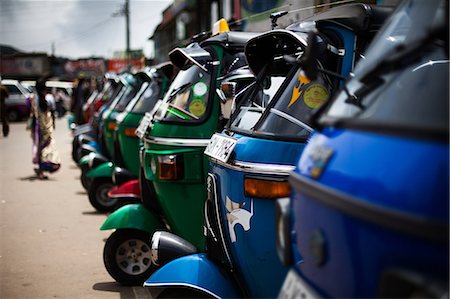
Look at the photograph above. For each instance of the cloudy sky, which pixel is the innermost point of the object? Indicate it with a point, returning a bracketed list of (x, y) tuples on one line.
[(78, 28)]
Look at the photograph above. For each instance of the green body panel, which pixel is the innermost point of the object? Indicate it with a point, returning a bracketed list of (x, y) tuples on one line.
[(103, 170), (85, 159), (129, 146), (134, 216), (108, 135), (183, 205)]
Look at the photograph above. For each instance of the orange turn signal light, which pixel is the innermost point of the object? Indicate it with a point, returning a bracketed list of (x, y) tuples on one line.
[(130, 132), (112, 125), (266, 188), (170, 167)]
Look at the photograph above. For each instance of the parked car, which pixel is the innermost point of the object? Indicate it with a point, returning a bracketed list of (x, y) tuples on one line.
[(17, 105)]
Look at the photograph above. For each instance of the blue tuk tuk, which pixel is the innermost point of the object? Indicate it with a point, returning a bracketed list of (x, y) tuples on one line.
[(369, 213)]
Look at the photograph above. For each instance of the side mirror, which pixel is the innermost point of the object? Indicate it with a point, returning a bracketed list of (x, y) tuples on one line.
[(229, 90)]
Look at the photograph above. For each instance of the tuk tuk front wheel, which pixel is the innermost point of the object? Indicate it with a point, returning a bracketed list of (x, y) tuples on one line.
[(85, 181), (98, 194), (127, 256)]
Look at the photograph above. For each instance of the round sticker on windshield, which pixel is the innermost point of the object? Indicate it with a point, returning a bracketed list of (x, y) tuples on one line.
[(315, 95), (197, 107), (200, 89)]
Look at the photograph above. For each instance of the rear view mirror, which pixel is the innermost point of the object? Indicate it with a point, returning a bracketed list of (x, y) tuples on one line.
[(308, 61)]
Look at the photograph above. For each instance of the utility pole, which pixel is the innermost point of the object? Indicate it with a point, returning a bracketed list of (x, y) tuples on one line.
[(125, 11), (127, 25)]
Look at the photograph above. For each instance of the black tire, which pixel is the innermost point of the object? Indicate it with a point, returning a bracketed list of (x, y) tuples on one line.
[(127, 256), (85, 181), (182, 292), (13, 115), (98, 194)]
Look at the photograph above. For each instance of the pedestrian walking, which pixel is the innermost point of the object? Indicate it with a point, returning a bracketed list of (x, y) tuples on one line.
[(42, 124), (3, 118)]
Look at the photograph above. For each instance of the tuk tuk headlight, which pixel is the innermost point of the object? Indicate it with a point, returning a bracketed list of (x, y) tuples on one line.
[(283, 237)]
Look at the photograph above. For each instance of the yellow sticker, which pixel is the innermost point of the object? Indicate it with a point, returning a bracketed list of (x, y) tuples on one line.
[(315, 95), (298, 88), (197, 107)]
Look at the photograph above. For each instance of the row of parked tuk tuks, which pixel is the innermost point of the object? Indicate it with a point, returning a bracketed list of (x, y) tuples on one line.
[(305, 162)]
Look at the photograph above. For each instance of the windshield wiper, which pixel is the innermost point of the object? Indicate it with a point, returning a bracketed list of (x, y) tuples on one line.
[(402, 56), (176, 90)]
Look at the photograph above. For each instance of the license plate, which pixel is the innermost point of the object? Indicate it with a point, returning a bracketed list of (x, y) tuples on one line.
[(295, 287), (220, 147), (143, 125)]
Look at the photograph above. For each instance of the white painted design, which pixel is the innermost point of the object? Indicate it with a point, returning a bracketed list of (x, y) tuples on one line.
[(237, 215)]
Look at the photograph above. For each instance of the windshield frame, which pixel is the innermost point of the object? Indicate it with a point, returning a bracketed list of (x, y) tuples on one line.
[(213, 70), (254, 132)]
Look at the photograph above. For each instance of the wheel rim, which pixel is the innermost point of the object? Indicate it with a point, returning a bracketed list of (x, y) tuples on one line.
[(13, 116), (133, 257), (102, 197)]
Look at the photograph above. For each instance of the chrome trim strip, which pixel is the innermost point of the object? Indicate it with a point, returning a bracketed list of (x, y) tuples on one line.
[(155, 245), (258, 168), (181, 284), (177, 141)]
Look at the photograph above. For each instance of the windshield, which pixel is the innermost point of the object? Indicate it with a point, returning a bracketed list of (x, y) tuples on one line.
[(411, 22), (128, 95), (147, 99), (253, 103), (109, 91), (187, 98), (289, 116), (415, 95)]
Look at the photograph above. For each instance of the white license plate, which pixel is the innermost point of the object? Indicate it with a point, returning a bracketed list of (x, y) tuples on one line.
[(220, 147), (294, 287), (143, 125)]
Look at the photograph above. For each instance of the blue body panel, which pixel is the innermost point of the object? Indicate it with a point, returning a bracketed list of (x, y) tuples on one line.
[(253, 251), (394, 174), (95, 145), (195, 271)]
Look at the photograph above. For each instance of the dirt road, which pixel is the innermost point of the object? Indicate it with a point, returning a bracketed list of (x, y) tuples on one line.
[(50, 243)]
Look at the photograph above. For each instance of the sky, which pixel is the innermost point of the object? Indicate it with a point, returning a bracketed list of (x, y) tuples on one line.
[(78, 28)]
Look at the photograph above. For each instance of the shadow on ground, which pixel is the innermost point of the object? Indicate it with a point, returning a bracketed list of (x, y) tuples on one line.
[(34, 177), (92, 213), (125, 292)]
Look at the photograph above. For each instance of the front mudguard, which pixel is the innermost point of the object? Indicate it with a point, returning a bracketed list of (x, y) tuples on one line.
[(103, 170), (133, 216), (194, 271)]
